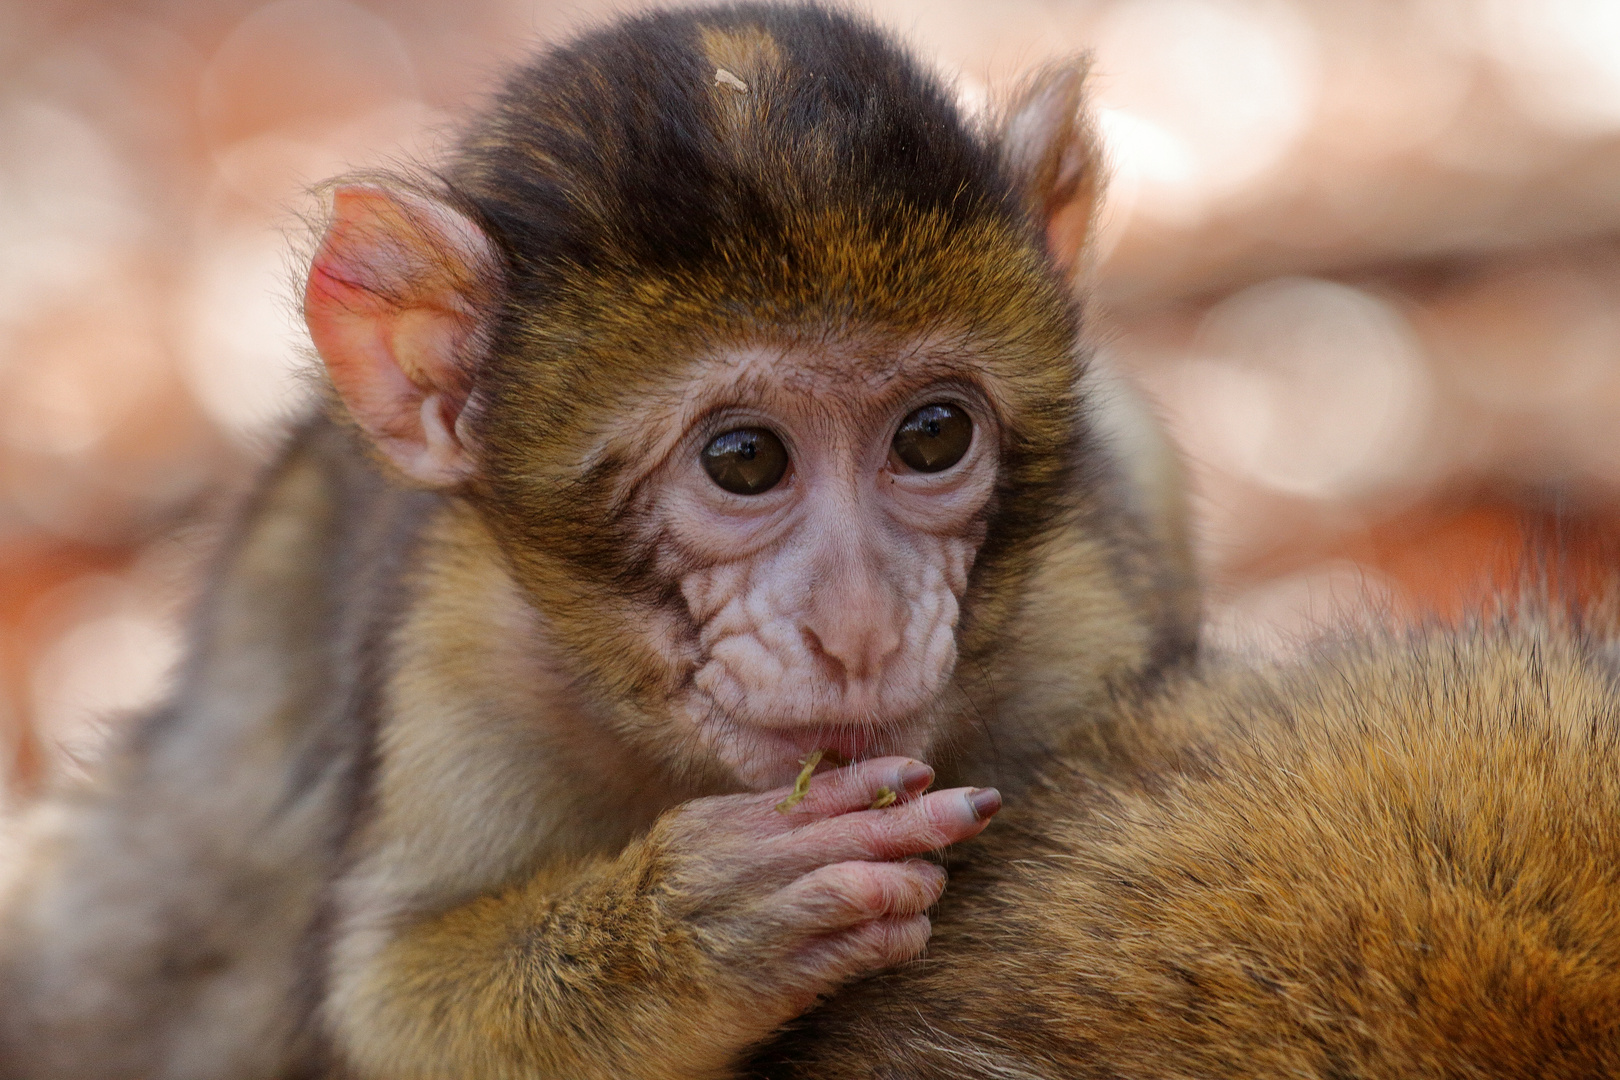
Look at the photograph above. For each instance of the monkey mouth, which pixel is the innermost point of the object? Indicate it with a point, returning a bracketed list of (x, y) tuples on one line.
[(774, 754), (849, 743), (765, 752)]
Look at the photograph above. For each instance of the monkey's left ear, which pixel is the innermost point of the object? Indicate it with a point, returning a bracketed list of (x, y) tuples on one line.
[(1049, 143), (399, 301)]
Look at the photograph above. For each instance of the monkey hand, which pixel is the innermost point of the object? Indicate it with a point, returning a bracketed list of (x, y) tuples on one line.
[(672, 959), (792, 904)]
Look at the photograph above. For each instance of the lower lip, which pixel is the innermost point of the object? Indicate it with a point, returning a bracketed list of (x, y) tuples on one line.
[(852, 744)]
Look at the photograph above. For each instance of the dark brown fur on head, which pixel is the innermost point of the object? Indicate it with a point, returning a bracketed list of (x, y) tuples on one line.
[(737, 175), (1400, 859)]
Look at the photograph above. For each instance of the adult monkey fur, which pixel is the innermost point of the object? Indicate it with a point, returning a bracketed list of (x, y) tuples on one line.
[(1399, 859), (717, 404)]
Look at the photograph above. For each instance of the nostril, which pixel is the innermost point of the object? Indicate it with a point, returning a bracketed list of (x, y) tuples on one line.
[(835, 666), (885, 645)]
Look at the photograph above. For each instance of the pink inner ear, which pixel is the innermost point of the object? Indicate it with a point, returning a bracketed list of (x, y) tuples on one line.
[(396, 300), (1068, 230)]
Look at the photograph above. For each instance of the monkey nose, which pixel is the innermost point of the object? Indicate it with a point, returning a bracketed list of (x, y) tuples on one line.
[(853, 652)]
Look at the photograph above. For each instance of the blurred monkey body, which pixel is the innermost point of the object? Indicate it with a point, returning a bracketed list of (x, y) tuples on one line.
[(720, 402), (1396, 859)]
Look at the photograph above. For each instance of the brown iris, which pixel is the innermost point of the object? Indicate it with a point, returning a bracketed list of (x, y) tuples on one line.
[(747, 461), (933, 438)]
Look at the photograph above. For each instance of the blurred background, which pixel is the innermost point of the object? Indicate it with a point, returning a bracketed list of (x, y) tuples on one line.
[(1363, 256)]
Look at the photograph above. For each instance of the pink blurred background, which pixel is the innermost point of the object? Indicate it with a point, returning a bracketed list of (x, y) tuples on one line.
[(1364, 256)]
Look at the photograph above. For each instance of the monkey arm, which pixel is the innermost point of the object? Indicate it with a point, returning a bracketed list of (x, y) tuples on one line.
[(670, 959), (585, 970)]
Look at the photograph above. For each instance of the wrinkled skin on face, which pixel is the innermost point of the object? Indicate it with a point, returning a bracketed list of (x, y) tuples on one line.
[(824, 608)]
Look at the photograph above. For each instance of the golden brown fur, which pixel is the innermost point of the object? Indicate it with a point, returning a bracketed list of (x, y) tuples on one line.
[(1397, 859)]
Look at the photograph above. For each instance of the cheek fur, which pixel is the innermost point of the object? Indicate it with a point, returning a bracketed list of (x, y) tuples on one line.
[(759, 667)]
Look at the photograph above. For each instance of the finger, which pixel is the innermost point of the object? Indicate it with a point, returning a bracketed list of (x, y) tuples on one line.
[(928, 823), (858, 786), (869, 947), (843, 895)]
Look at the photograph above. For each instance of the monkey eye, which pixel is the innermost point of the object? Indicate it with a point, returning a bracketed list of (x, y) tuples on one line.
[(747, 461), (933, 438)]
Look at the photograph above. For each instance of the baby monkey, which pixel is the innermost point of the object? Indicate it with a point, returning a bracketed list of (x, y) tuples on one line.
[(717, 403)]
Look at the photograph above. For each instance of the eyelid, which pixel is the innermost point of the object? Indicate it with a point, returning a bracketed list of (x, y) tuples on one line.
[(718, 421), (963, 395)]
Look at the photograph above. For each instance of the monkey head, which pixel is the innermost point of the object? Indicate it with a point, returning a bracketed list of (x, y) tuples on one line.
[(758, 360)]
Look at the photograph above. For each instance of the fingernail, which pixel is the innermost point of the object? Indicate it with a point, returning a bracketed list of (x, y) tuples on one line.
[(985, 801), (916, 776)]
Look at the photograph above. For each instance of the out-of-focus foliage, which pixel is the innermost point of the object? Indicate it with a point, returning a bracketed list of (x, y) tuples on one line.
[(1364, 254)]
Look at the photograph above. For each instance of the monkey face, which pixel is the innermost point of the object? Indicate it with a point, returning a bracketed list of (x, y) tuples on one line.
[(815, 511), (762, 535)]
